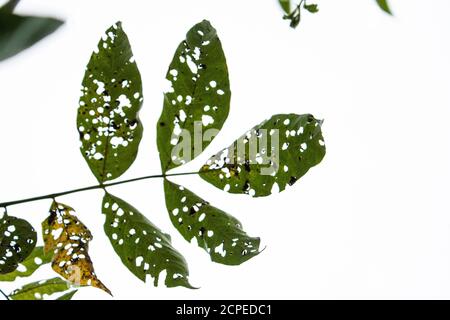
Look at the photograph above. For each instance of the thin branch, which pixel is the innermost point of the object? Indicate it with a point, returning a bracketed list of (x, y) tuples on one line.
[(100, 186), (4, 294)]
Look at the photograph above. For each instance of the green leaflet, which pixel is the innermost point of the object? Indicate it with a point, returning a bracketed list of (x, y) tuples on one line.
[(217, 232), (143, 248), (285, 5), (266, 159), (108, 121), (40, 290), (68, 295), (198, 102), (384, 5), (35, 260), (311, 8), (17, 241), (18, 33)]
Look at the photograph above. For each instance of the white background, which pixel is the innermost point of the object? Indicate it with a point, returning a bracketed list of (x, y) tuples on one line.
[(371, 221)]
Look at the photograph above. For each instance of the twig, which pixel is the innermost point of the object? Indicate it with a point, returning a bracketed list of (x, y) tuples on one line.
[(4, 294), (99, 186)]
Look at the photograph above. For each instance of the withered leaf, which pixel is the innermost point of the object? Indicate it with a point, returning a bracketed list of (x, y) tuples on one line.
[(68, 238)]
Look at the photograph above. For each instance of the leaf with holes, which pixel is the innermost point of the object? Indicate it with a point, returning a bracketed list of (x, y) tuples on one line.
[(143, 248), (217, 232), (198, 101), (384, 5), (26, 268), (17, 241), (18, 33), (68, 238), (40, 290), (108, 114), (269, 157)]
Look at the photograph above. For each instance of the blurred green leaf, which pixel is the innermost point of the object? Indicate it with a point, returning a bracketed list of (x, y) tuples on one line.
[(384, 5), (311, 8), (286, 5), (18, 33), (9, 6)]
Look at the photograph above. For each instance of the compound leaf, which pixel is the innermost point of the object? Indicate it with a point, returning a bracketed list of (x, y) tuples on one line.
[(199, 97), (68, 238), (26, 268), (217, 232), (108, 114), (143, 248), (269, 157), (17, 241), (18, 33), (40, 290), (384, 5)]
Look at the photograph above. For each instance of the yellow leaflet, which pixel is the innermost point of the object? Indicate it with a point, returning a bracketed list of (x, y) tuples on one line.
[(68, 238)]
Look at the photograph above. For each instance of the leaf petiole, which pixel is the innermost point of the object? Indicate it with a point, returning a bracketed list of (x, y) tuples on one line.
[(95, 187)]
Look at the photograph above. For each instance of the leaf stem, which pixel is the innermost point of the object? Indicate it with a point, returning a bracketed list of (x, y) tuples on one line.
[(4, 294), (99, 186)]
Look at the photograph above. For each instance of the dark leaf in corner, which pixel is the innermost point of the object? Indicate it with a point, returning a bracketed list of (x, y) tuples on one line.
[(18, 33)]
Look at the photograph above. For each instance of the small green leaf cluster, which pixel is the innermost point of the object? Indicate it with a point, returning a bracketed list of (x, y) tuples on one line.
[(294, 13)]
